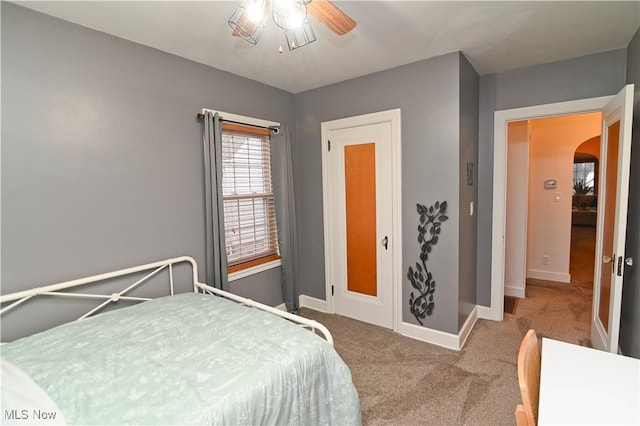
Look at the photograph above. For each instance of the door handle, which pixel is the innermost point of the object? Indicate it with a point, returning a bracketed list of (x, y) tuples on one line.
[(629, 261), (606, 259), (385, 242)]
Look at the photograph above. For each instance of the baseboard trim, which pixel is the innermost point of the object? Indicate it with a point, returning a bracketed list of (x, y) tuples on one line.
[(305, 301), (282, 307), (514, 291), (485, 312), (548, 276), (468, 325), (440, 338)]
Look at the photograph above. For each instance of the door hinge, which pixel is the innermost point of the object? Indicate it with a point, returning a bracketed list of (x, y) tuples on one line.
[(332, 290), (619, 266), (329, 145)]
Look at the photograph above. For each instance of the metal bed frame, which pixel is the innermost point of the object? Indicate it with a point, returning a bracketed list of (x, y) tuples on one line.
[(154, 269)]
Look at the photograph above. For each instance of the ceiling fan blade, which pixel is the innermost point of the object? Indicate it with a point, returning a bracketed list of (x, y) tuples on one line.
[(327, 13)]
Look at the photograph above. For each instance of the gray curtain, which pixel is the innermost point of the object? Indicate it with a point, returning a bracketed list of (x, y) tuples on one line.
[(288, 233), (215, 253)]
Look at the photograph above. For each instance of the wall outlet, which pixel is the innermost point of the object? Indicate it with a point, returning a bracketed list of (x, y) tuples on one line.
[(545, 259)]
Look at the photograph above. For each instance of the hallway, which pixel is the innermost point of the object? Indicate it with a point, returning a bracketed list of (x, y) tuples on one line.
[(563, 310), (583, 249)]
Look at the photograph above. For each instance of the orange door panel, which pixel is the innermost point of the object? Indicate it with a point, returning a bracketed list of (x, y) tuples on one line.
[(360, 198)]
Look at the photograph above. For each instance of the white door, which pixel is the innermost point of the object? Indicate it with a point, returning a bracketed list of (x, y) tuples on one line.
[(359, 205), (612, 220)]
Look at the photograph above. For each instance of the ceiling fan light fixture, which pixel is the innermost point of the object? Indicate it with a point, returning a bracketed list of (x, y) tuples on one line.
[(256, 11), (288, 14), (243, 21), (249, 19), (300, 36)]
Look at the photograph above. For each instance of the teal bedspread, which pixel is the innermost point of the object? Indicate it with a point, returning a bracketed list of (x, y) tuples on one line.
[(188, 359)]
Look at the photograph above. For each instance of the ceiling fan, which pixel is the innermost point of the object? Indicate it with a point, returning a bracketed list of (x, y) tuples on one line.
[(249, 19)]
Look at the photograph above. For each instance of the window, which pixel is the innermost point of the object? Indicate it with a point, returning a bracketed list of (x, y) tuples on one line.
[(249, 206), (584, 177)]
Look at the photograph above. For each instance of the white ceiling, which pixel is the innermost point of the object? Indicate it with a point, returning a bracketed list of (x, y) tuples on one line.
[(494, 36)]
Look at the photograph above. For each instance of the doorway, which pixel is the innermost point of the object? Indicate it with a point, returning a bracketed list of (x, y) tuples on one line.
[(540, 183), (361, 194), (611, 222), (501, 120), (584, 211)]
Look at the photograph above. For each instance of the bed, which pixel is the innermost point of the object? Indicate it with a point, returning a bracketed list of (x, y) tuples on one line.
[(202, 357)]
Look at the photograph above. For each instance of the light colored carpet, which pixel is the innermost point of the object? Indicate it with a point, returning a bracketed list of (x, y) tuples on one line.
[(402, 381)]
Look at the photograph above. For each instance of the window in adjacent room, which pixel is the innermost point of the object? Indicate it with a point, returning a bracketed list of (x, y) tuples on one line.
[(249, 206), (584, 173)]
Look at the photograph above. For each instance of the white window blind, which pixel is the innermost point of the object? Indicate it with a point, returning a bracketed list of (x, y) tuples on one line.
[(249, 206)]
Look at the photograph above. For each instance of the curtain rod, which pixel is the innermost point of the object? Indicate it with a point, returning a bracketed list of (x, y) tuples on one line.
[(274, 129)]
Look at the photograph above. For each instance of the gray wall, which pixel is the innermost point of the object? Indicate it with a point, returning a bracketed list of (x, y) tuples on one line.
[(429, 96), (630, 321), (102, 155), (469, 88), (585, 77)]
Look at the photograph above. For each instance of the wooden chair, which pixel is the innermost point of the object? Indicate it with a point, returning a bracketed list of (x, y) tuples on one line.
[(529, 377)]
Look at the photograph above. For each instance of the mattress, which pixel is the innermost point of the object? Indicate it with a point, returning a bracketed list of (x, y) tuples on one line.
[(188, 359)]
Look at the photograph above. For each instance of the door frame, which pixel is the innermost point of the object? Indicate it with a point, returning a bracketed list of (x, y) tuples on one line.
[(499, 214), (391, 116), (523, 210)]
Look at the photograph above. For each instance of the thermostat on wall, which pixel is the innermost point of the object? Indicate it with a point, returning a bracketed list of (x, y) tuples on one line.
[(550, 183)]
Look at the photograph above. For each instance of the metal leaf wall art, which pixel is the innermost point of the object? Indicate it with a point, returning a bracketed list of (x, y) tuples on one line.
[(431, 218)]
